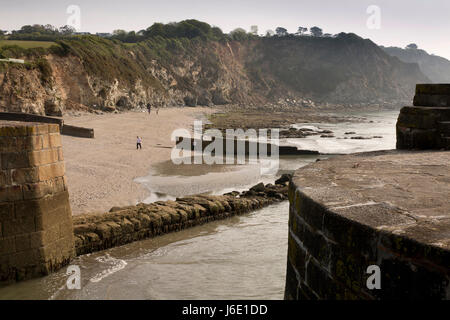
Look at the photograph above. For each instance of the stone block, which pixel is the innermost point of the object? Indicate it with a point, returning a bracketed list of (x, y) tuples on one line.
[(37, 190), (290, 292), (6, 211), (13, 160), (55, 140), (432, 88), (422, 139), (19, 226), (25, 143), (45, 141), (53, 128), (431, 100), (7, 245), (24, 175), (311, 212), (9, 131), (10, 193), (5, 177), (50, 171), (23, 242), (50, 219), (43, 157), (297, 256), (60, 154)]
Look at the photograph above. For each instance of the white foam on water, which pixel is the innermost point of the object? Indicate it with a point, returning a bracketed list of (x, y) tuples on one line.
[(116, 265)]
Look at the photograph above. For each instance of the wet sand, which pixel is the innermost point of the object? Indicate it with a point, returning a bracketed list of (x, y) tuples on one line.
[(100, 171)]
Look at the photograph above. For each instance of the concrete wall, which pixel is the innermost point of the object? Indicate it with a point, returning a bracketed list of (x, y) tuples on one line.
[(36, 231)]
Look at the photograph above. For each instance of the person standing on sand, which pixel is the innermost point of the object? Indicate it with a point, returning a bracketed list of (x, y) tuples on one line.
[(139, 143), (149, 108)]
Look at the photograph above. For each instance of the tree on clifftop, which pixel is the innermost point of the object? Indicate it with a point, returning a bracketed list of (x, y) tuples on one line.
[(281, 32), (239, 34), (270, 33), (316, 32), (67, 30), (412, 46), (301, 31)]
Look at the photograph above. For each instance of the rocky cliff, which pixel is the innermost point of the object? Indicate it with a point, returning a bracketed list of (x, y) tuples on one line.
[(91, 73), (436, 68)]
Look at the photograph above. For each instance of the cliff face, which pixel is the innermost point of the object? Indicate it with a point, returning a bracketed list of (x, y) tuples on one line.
[(90, 73), (436, 68)]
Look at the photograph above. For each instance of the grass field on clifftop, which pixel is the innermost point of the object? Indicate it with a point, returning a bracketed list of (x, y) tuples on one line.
[(27, 44)]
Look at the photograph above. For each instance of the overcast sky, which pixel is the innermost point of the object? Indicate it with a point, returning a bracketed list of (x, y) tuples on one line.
[(425, 22)]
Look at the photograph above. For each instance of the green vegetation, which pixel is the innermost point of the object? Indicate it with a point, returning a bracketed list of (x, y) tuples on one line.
[(39, 32), (26, 44)]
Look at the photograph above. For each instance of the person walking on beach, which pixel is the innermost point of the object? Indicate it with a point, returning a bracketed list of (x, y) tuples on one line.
[(139, 143), (149, 108)]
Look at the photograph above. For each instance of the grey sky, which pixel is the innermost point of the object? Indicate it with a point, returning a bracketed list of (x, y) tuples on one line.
[(425, 22)]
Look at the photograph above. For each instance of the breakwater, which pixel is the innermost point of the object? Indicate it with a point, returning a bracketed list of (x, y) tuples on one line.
[(240, 147), (95, 232)]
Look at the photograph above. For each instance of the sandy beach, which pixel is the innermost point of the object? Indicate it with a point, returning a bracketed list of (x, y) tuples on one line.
[(100, 171)]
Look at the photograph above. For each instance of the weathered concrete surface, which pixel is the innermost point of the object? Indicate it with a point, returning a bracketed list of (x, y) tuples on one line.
[(36, 234), (390, 209), (95, 232)]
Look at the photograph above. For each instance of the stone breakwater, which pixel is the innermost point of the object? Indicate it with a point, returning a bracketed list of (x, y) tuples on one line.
[(95, 232), (386, 209)]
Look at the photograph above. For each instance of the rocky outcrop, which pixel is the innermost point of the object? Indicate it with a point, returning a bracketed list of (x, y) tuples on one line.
[(95, 232)]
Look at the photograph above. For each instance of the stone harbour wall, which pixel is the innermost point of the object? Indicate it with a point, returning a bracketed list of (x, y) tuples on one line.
[(426, 125), (95, 232), (36, 231), (337, 230), (77, 131)]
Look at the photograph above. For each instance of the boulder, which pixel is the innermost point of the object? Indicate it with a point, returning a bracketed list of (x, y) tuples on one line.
[(283, 179), (258, 188)]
